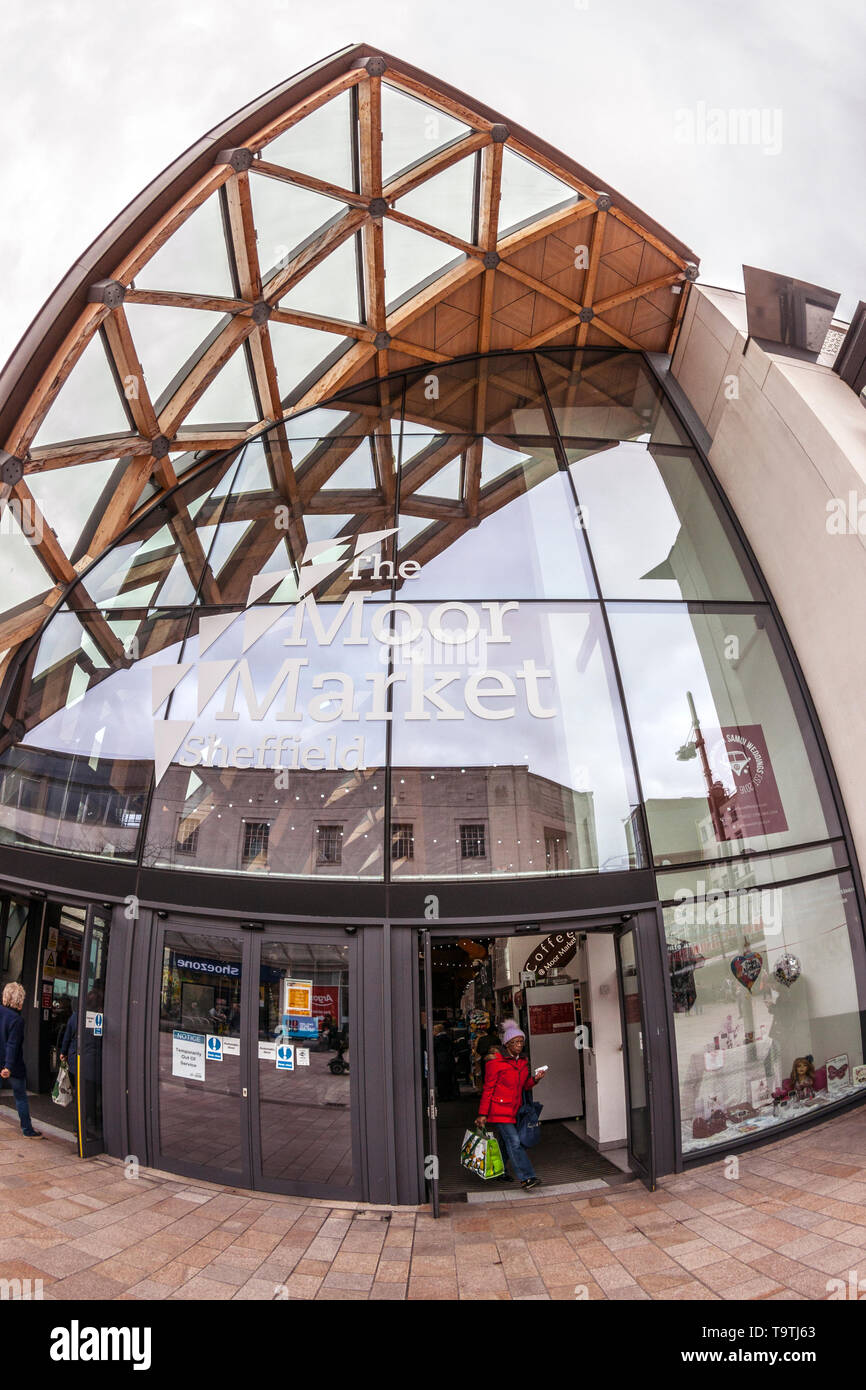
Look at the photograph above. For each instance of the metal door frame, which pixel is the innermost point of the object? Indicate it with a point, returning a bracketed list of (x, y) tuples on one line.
[(217, 930), (428, 1077), (88, 1148), (579, 923), (294, 1187)]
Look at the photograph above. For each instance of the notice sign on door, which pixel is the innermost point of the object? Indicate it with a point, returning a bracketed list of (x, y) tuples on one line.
[(285, 1057), (231, 1047), (299, 998), (267, 1051), (187, 1055), (214, 1049)]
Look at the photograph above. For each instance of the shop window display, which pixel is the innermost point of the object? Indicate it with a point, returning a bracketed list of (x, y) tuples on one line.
[(767, 1020)]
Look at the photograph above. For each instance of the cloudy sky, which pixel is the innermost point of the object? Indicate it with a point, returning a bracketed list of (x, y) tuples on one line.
[(99, 96)]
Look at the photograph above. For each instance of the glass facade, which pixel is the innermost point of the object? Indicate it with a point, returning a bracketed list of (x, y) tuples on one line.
[(507, 598), (492, 622)]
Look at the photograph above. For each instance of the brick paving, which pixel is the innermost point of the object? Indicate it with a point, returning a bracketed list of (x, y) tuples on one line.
[(793, 1218)]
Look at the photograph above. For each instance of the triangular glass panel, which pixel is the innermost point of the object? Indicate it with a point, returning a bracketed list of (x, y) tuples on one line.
[(297, 352), (496, 460), (528, 191), (331, 288), (177, 591), (445, 483), (67, 497), (315, 424), (285, 592), (356, 471), (89, 403), (320, 144), (254, 475), (194, 259), (416, 438), (325, 525), (411, 259), (410, 527), (162, 539), (412, 131), (229, 398), (130, 598), (446, 200), (166, 340), (228, 536), (286, 216)]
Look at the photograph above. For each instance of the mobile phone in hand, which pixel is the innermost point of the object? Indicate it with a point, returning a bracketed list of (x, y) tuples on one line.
[(539, 1071)]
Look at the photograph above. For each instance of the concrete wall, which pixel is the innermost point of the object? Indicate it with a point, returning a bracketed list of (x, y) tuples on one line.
[(788, 437)]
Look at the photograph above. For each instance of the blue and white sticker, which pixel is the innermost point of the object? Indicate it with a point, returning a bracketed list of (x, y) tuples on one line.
[(214, 1049), (285, 1057)]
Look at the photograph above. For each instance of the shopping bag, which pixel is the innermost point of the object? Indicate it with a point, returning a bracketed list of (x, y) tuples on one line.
[(62, 1092), (480, 1154), (528, 1123)]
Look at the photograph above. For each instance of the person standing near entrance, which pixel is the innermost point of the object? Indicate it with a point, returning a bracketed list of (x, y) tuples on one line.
[(12, 1054), (69, 1045), (506, 1078)]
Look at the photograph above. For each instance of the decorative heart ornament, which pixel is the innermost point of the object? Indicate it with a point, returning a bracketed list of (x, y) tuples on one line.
[(747, 967), (787, 969)]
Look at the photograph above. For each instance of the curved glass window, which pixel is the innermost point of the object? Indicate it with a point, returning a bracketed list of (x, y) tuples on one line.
[(767, 1018), (450, 625), (728, 760)]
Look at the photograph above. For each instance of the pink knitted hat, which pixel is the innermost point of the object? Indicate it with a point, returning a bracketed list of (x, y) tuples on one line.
[(510, 1030)]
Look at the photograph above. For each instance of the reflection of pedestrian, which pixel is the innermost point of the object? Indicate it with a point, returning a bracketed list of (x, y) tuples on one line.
[(69, 1045), (217, 1016), (12, 1054), (443, 1061)]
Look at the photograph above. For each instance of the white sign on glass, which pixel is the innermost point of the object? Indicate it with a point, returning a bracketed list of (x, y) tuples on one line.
[(187, 1055)]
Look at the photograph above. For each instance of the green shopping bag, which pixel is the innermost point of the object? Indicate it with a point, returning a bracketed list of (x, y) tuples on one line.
[(480, 1154)]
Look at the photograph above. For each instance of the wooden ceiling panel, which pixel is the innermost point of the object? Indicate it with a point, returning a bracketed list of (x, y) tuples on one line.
[(329, 276)]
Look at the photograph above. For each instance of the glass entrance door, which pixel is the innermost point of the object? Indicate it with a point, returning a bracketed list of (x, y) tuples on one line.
[(200, 1105), (638, 1067), (305, 1067), (91, 1032), (255, 1061)]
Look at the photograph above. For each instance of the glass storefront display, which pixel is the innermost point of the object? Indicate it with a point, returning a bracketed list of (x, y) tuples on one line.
[(767, 1018)]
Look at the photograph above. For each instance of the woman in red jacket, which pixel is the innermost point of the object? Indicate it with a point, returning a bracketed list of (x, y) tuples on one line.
[(505, 1080)]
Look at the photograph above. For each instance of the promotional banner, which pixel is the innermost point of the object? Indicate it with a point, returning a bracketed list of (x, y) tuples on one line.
[(326, 1000), (754, 807)]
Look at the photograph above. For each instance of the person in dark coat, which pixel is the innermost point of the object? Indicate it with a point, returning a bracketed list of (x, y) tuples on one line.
[(69, 1045), (12, 1054), (443, 1061), (506, 1078)]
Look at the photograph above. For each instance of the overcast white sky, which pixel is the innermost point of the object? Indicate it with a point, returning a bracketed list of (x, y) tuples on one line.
[(100, 95)]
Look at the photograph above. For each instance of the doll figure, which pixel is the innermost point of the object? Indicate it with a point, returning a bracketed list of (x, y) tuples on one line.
[(803, 1078)]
